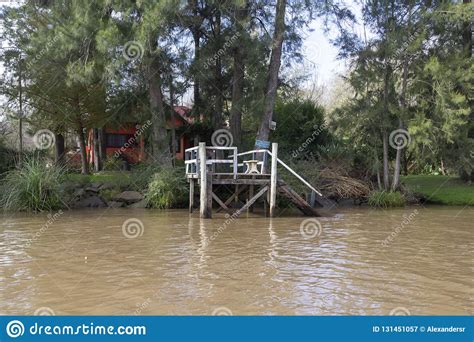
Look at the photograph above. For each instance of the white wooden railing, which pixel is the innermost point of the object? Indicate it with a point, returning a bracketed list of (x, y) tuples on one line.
[(192, 162), (260, 155)]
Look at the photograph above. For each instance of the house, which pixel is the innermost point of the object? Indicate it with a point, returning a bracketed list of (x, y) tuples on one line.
[(183, 123), (127, 141)]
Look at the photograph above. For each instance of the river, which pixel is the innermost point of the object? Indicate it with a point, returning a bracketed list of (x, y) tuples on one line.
[(356, 261)]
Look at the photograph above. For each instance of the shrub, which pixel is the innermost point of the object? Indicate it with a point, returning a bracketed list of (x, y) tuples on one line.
[(36, 186), (301, 136), (112, 164), (7, 159), (143, 174), (384, 199), (167, 189)]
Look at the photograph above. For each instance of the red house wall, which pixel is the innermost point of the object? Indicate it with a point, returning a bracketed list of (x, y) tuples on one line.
[(136, 154)]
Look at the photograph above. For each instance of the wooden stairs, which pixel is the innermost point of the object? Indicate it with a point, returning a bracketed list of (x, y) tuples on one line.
[(285, 190)]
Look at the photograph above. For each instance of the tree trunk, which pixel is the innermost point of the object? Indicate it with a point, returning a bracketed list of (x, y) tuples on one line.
[(441, 168), (467, 34), (386, 181), (174, 146), (82, 149), (238, 79), (385, 120), (404, 107), (377, 163), (396, 170), (96, 146), (195, 28), (197, 91), (237, 90), (405, 163), (20, 141), (59, 149), (20, 116), (272, 81), (379, 181), (102, 146), (159, 141), (219, 83)]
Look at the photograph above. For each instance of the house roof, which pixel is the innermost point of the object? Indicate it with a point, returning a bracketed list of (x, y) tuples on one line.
[(184, 113)]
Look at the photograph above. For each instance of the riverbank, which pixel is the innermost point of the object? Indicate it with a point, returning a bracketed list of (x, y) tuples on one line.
[(40, 188), (106, 189), (446, 190), (434, 189)]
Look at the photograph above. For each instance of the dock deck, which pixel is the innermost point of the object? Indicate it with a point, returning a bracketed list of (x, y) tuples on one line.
[(251, 173)]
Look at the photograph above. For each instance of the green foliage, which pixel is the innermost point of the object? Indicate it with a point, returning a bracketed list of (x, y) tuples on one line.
[(440, 126), (112, 164), (441, 189), (36, 186), (301, 129), (142, 174), (414, 72), (385, 199), (167, 189), (7, 159)]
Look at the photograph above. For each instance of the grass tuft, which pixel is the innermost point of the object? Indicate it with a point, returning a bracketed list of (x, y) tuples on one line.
[(385, 199), (35, 186), (167, 189)]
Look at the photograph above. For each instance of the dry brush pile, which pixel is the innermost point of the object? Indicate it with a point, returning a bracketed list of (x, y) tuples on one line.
[(335, 183)]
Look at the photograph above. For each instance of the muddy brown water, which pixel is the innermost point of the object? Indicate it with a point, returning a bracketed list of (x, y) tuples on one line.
[(361, 262)]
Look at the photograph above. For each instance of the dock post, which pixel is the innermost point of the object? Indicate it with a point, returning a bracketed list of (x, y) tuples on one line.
[(312, 199), (250, 195), (205, 210), (209, 196), (191, 195), (273, 180)]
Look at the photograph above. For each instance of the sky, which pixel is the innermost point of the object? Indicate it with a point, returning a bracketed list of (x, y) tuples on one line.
[(318, 50)]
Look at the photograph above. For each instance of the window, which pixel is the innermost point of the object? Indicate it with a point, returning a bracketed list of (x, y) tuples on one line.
[(119, 140)]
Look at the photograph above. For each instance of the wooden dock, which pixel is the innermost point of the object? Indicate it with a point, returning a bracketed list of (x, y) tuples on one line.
[(253, 174)]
